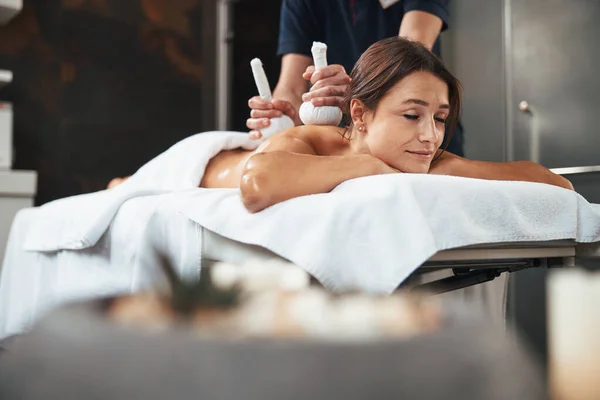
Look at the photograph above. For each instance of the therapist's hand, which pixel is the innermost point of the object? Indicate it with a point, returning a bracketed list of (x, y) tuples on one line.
[(329, 85), (262, 110)]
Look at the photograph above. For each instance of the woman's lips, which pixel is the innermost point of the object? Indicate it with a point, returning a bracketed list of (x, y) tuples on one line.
[(421, 154)]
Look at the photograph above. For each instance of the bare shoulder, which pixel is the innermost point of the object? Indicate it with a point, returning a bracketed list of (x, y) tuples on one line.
[(323, 140)]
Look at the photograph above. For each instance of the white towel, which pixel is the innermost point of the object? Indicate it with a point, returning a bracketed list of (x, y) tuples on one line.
[(372, 233), (123, 260)]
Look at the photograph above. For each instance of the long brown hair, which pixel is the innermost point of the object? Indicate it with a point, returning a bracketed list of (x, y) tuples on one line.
[(388, 61)]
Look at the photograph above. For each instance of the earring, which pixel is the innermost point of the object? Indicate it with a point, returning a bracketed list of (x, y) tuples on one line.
[(361, 128)]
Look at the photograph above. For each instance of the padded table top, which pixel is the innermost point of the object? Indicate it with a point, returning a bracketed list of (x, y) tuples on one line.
[(219, 248)]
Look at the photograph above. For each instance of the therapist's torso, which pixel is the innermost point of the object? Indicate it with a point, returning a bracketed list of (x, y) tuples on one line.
[(348, 27)]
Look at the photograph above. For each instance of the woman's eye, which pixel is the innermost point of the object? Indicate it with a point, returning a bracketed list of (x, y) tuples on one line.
[(411, 117), (442, 120)]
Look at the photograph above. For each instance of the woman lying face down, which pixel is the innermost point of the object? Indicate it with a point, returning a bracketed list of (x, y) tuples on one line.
[(400, 99)]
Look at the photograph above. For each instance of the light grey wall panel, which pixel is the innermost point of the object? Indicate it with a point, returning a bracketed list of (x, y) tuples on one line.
[(472, 48)]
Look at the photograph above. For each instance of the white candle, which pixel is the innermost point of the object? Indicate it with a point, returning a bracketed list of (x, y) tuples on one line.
[(574, 334)]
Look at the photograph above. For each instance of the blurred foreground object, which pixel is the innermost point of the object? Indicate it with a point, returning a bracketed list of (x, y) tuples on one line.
[(74, 353), (261, 331), (272, 299), (574, 334)]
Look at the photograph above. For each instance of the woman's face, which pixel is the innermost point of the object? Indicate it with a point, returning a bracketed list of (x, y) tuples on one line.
[(408, 124)]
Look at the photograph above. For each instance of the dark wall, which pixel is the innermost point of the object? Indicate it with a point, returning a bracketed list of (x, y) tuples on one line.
[(102, 86), (255, 35)]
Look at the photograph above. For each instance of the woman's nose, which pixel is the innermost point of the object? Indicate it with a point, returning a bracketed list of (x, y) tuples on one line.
[(428, 131)]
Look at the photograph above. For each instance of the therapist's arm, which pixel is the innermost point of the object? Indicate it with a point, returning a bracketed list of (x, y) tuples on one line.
[(291, 85), (421, 27), (287, 166), (528, 171)]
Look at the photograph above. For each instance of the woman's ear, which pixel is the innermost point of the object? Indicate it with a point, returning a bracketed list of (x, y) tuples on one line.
[(357, 112)]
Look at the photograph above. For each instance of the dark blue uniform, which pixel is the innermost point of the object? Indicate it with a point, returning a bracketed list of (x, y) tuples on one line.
[(349, 27)]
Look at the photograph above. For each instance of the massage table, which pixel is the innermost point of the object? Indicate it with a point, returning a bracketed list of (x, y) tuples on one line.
[(473, 265), (471, 268), (105, 243)]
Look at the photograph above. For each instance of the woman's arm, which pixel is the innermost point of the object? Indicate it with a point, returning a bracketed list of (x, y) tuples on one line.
[(528, 171), (288, 167)]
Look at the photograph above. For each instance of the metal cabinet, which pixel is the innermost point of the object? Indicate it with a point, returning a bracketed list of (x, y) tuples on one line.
[(553, 104), (553, 89)]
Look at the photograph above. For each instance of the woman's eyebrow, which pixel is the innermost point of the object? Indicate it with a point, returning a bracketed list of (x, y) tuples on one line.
[(423, 103)]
